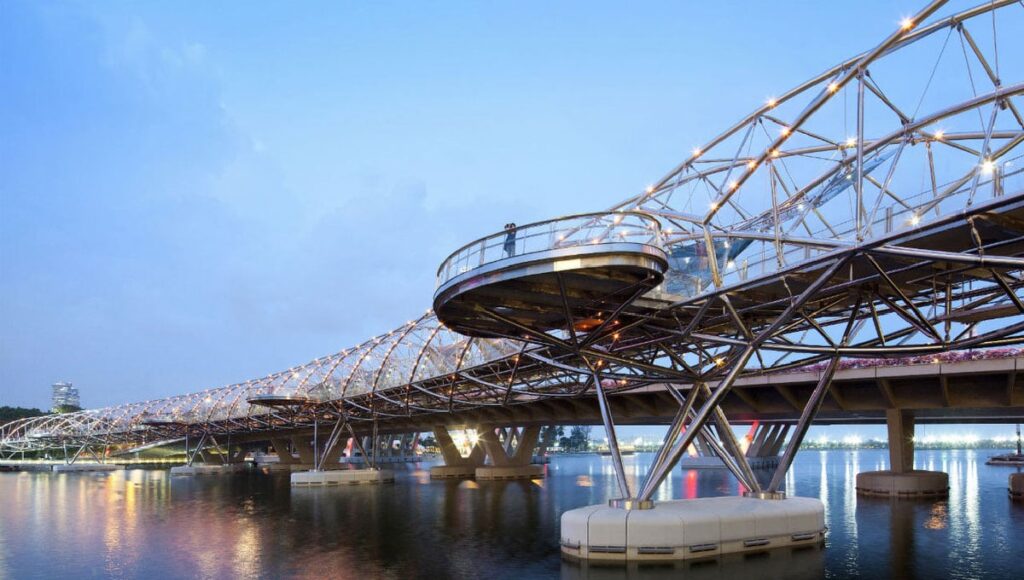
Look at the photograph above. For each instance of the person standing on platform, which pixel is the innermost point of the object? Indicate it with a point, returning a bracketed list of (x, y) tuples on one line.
[(510, 240)]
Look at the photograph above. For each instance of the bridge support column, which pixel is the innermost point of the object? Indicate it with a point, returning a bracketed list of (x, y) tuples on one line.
[(1016, 487), (506, 463), (283, 450), (304, 448), (332, 460), (455, 465), (237, 455), (901, 479)]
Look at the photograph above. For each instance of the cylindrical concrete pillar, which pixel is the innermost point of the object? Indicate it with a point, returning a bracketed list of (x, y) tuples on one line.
[(1017, 486)]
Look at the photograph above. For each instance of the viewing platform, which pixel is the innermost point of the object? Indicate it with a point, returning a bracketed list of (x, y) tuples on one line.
[(538, 275)]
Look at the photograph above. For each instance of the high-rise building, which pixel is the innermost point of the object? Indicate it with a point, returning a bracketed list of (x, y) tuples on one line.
[(65, 395)]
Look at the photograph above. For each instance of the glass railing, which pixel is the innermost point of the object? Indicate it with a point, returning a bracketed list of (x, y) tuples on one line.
[(566, 232)]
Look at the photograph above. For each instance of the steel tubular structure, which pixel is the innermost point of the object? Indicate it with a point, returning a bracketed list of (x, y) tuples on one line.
[(875, 210)]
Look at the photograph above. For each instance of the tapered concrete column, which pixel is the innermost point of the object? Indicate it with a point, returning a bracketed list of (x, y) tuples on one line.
[(763, 433), (524, 450), (237, 455), (449, 452), (901, 479), (900, 424), (303, 446), (514, 466), (780, 440), (284, 453), (333, 457), (770, 446), (455, 465), (495, 450), (511, 435)]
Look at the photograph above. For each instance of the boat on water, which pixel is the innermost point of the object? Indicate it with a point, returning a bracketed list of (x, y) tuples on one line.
[(1016, 459)]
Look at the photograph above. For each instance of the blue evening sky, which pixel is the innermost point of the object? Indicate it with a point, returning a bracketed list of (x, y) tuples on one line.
[(197, 193)]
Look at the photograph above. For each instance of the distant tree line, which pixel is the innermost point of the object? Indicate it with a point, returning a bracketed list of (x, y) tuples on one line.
[(577, 440), (8, 414)]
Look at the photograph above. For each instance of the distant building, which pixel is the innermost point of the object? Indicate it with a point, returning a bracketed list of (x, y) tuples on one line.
[(65, 396)]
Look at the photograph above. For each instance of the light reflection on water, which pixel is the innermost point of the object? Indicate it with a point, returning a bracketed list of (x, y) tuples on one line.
[(148, 524)]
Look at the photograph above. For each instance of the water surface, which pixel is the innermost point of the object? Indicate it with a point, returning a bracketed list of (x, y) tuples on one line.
[(147, 524)]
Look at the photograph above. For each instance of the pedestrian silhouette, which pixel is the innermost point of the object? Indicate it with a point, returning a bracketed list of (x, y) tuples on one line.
[(510, 240)]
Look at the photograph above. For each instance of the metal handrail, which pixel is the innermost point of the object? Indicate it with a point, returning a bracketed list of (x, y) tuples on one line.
[(563, 232)]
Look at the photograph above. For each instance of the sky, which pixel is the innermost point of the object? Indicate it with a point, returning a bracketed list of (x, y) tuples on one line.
[(193, 194)]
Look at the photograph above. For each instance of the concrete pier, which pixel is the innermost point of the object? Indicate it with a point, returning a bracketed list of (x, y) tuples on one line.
[(208, 469), (455, 465), (25, 466), (452, 471), (1016, 487), (692, 528), (901, 479), (84, 467), (491, 472), (273, 466), (343, 477)]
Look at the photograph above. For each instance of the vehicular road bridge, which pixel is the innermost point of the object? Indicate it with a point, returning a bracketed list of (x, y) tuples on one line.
[(874, 213)]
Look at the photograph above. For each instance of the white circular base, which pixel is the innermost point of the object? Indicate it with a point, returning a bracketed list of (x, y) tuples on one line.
[(342, 477), (1017, 486), (916, 483), (691, 528)]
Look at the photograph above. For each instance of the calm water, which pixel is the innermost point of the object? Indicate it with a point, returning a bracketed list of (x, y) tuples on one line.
[(144, 523)]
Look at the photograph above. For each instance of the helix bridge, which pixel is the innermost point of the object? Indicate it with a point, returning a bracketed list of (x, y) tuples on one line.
[(874, 211)]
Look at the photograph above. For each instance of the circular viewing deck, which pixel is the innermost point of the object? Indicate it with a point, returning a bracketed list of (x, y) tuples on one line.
[(537, 276)]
